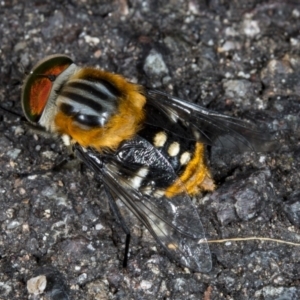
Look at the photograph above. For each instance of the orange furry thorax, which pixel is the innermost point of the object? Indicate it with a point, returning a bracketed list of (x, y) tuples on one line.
[(123, 125)]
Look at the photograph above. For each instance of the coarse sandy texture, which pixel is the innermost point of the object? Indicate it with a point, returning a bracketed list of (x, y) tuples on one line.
[(237, 57)]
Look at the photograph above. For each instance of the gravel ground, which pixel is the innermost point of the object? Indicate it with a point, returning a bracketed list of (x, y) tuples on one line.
[(237, 57)]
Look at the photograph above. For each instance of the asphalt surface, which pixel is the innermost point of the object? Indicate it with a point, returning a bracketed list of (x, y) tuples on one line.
[(241, 58)]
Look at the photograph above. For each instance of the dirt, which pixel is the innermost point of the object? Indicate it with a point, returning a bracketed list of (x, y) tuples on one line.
[(241, 58)]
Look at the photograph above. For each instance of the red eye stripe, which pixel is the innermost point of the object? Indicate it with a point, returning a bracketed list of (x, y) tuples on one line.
[(38, 84), (41, 88), (39, 93)]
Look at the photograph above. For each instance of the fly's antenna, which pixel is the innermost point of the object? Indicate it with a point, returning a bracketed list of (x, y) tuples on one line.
[(13, 113)]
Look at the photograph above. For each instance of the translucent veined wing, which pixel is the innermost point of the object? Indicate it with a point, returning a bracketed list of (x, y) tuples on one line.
[(173, 221), (197, 123)]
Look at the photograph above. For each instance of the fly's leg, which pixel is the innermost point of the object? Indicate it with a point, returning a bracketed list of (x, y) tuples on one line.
[(56, 168), (116, 212)]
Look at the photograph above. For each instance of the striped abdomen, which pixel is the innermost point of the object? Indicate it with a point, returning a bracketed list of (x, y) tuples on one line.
[(187, 159)]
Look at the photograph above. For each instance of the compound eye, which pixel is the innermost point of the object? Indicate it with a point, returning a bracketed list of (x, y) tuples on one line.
[(38, 84)]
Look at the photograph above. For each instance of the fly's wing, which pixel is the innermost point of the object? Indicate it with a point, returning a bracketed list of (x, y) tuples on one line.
[(197, 123), (173, 221)]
